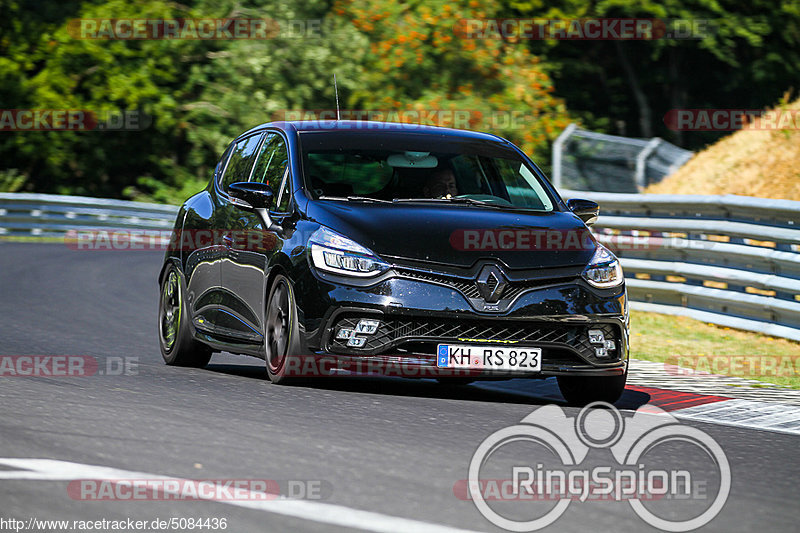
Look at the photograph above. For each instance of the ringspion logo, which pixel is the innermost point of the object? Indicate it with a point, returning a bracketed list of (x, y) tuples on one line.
[(678, 497)]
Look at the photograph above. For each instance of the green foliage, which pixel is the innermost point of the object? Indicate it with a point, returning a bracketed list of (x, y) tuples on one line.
[(419, 59), (194, 96), (745, 56), (11, 180), (197, 94)]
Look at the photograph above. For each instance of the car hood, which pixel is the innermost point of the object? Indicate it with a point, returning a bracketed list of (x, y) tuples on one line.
[(459, 235)]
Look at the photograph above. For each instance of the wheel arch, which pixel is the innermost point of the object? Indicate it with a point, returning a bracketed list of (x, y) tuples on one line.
[(278, 264), (174, 256), (171, 261), (282, 264)]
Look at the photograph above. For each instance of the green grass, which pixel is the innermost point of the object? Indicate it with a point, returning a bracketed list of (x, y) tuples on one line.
[(717, 349), (31, 238)]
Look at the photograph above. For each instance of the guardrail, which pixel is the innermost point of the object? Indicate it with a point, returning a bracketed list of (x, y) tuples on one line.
[(589, 160), (729, 260), (51, 215)]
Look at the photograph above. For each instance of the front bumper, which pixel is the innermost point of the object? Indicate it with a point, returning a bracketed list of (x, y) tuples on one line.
[(416, 315)]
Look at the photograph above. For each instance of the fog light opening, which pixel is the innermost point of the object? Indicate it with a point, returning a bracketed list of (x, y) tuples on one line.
[(602, 347), (367, 327), (356, 342), (596, 336), (344, 333)]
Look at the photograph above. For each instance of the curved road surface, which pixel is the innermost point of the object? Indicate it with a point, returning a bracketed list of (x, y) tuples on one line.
[(386, 452)]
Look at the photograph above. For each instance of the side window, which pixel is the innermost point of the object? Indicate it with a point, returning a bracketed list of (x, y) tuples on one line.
[(240, 161), (522, 186), (222, 160), (286, 195), (271, 167)]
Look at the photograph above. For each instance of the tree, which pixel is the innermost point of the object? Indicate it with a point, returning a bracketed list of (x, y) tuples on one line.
[(421, 57), (196, 95), (743, 55)]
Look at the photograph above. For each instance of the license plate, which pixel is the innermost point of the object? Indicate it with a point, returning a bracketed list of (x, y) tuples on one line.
[(489, 357)]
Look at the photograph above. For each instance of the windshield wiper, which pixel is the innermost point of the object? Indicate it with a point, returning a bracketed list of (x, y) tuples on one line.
[(368, 199), (454, 200), (355, 198)]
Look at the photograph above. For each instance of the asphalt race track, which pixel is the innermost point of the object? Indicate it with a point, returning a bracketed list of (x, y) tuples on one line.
[(386, 452)]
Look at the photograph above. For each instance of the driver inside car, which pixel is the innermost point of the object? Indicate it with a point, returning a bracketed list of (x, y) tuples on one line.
[(441, 184)]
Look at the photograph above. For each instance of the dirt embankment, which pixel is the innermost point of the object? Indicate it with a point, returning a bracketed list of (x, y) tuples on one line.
[(764, 163)]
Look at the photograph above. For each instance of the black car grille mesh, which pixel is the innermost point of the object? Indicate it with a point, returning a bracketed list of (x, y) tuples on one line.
[(395, 332), (469, 288), (466, 287)]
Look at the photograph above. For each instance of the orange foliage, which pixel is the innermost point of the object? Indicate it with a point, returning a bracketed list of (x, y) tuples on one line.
[(424, 50)]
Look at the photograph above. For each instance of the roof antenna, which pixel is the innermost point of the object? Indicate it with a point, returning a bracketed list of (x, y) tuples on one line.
[(336, 90)]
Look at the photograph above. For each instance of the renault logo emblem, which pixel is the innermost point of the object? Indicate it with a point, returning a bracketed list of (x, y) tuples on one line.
[(491, 283)]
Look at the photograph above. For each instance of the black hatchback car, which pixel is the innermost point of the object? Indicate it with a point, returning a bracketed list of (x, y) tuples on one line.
[(338, 247)]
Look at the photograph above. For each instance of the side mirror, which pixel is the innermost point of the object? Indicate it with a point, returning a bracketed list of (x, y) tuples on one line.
[(257, 195), (586, 210)]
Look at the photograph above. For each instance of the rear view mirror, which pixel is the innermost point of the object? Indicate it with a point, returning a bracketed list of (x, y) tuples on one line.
[(586, 210), (413, 160), (257, 195)]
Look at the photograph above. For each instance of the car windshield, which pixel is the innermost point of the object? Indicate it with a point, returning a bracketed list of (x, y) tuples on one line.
[(414, 167)]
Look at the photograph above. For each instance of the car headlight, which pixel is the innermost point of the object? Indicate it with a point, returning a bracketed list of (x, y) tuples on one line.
[(604, 270), (331, 252)]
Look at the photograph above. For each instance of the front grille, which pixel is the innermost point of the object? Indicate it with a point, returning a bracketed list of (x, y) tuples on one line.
[(469, 288), (423, 333), (465, 286)]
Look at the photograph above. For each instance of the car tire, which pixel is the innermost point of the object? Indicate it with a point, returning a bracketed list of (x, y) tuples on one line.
[(581, 390), (178, 347), (281, 331)]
